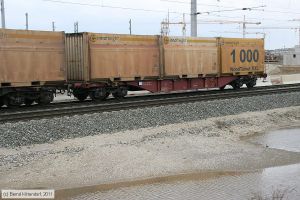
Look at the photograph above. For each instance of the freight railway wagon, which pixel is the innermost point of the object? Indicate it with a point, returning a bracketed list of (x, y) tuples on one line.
[(102, 64), (34, 64)]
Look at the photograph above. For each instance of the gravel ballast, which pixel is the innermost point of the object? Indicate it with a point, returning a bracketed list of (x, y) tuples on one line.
[(14, 135), (211, 145)]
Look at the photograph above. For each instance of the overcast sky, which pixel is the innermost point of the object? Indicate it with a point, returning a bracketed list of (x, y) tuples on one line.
[(112, 16)]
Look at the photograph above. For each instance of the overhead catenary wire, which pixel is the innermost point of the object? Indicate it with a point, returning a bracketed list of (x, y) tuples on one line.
[(235, 9), (282, 12), (150, 10), (113, 7), (101, 4), (221, 6), (199, 4), (251, 18)]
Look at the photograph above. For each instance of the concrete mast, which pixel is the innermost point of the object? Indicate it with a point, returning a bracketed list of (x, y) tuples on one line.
[(194, 18), (130, 27), (3, 14), (244, 27), (53, 26), (27, 23)]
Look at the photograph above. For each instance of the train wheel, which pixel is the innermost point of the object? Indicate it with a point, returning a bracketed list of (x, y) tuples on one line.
[(81, 96), (28, 102), (251, 84), (237, 84), (99, 94), (120, 93), (45, 98)]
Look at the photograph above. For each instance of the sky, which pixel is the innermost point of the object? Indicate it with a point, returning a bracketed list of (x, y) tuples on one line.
[(112, 16)]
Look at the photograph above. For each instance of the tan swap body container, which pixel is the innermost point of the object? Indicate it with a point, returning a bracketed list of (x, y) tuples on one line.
[(190, 56), (28, 57), (92, 57), (242, 56)]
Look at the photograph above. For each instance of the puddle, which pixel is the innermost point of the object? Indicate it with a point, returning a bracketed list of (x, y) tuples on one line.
[(288, 139), (230, 186)]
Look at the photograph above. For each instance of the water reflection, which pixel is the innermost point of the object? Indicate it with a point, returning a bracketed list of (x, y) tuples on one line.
[(224, 188), (232, 187), (287, 176), (288, 139)]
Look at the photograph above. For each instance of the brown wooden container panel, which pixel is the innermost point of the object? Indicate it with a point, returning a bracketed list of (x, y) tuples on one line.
[(242, 56), (31, 56), (123, 56), (190, 56)]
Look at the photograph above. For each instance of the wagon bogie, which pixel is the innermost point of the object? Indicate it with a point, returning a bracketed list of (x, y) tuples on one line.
[(15, 97)]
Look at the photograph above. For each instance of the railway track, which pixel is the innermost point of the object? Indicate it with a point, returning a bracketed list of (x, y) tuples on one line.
[(131, 98), (75, 108)]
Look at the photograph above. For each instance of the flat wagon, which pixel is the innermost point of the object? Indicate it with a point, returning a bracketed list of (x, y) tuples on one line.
[(100, 64)]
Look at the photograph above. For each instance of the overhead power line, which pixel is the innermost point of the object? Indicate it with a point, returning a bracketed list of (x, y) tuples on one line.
[(251, 18), (220, 6), (282, 12), (199, 4), (225, 22), (113, 7), (229, 10), (150, 10), (248, 33), (274, 27)]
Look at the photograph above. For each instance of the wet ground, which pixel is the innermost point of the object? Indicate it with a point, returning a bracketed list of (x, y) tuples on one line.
[(242, 185)]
